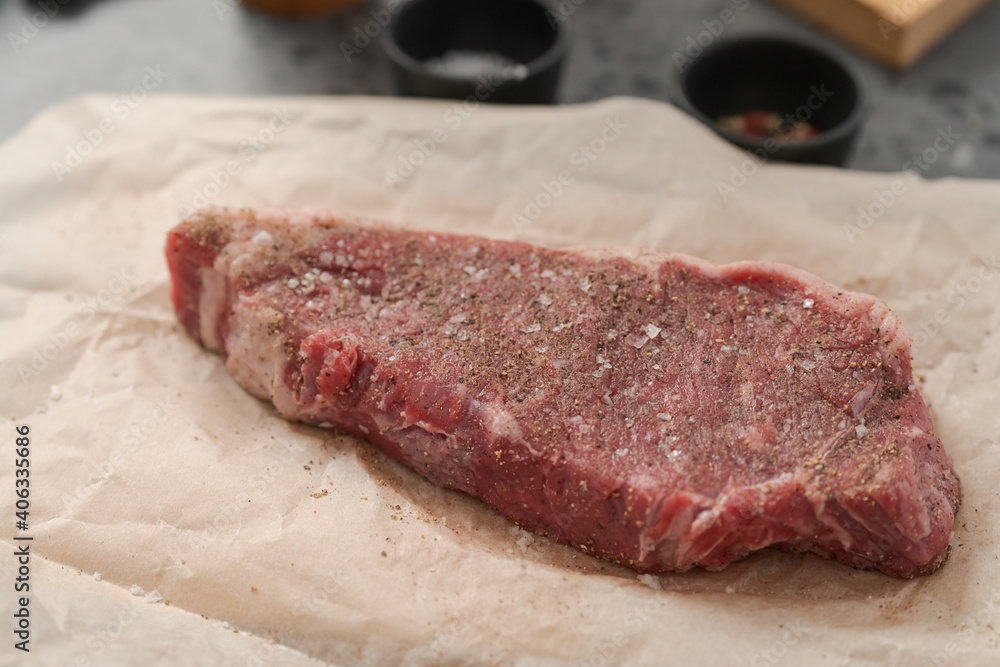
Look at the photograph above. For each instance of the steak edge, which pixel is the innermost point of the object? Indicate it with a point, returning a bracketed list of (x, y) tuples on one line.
[(649, 408)]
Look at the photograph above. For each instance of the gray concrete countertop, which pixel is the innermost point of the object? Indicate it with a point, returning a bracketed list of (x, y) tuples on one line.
[(621, 47)]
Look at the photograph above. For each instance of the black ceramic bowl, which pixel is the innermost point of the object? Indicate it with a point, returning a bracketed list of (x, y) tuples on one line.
[(800, 82), (506, 51)]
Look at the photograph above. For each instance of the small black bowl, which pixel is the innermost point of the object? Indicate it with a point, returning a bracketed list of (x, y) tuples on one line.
[(505, 51), (798, 81)]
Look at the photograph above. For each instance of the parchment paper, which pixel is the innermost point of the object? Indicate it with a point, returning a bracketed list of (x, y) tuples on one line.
[(153, 468)]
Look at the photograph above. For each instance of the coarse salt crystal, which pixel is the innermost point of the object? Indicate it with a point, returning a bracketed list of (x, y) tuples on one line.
[(541, 349), (470, 270), (861, 430), (547, 273), (515, 269), (664, 416), (650, 580), (656, 367), (532, 328), (726, 348), (55, 393), (136, 589), (637, 340), (621, 452), (97, 576), (326, 258), (730, 589), (612, 334), (457, 318), (808, 303), (545, 300), (463, 335), (262, 238), (432, 238), (154, 596), (743, 289), (585, 285), (293, 283), (652, 331)]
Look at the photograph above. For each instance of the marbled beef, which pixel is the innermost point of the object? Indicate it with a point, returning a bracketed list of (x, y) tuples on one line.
[(649, 408)]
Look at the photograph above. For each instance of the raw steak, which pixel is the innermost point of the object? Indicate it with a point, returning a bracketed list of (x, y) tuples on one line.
[(649, 408)]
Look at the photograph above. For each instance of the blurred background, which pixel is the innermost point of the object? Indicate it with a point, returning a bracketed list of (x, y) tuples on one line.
[(59, 48)]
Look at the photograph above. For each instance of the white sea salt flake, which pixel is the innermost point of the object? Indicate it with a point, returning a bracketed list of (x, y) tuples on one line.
[(55, 393), (262, 238), (548, 273), (730, 589), (532, 328), (637, 340), (743, 289), (326, 258), (808, 303), (650, 580), (515, 269), (457, 318), (585, 285), (293, 283), (97, 576), (527, 539), (545, 300), (154, 596), (621, 452), (652, 331), (136, 589), (861, 430), (664, 416)]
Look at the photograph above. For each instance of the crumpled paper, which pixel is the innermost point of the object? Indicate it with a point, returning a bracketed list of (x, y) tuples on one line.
[(277, 543)]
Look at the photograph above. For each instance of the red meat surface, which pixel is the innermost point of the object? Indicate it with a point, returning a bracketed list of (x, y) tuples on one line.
[(652, 409)]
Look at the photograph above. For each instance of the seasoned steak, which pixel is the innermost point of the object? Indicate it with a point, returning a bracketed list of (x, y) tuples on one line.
[(652, 409)]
